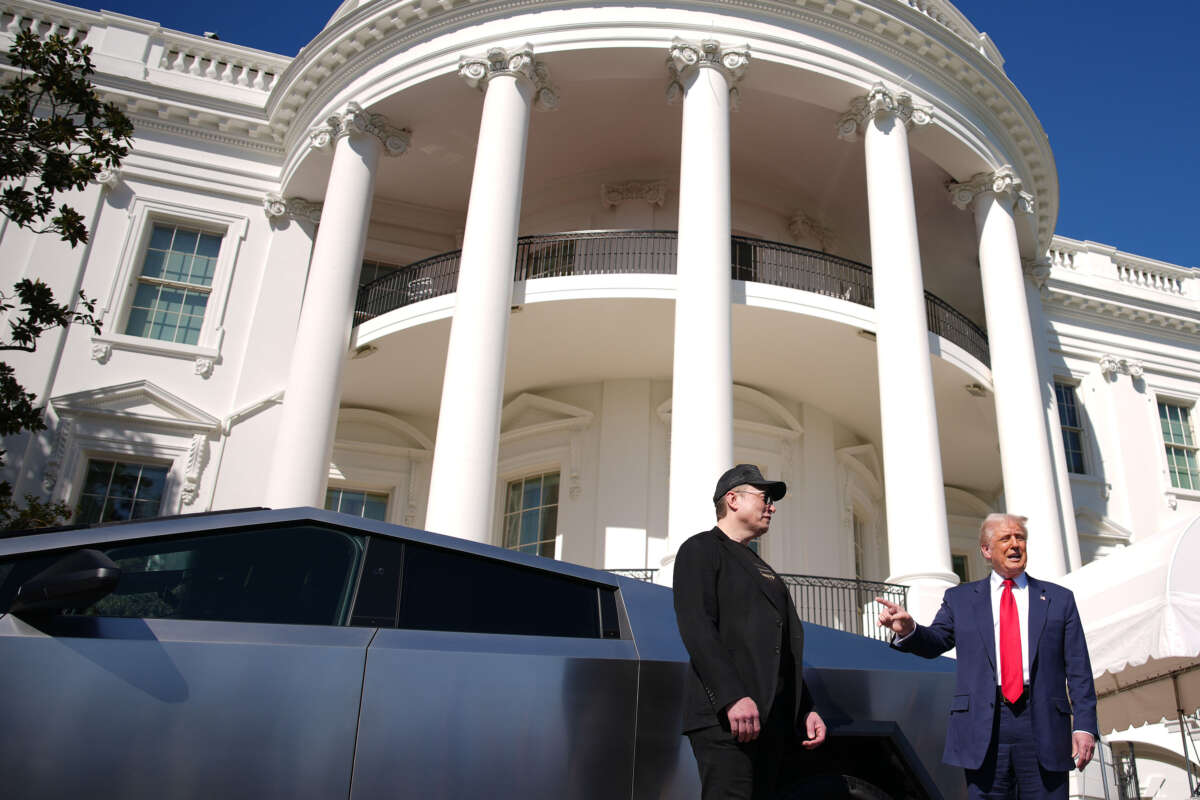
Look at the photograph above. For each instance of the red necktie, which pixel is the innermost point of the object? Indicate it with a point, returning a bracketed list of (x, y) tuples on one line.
[(1012, 680)]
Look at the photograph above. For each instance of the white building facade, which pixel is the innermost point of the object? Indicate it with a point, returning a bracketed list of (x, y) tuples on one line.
[(535, 274)]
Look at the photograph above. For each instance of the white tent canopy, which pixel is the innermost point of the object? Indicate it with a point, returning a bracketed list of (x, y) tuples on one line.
[(1141, 613)]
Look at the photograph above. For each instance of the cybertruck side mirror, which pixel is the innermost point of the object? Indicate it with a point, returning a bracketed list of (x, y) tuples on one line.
[(76, 580)]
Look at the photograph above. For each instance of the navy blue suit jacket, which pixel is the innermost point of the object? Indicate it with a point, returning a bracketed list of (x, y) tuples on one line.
[(1058, 665)]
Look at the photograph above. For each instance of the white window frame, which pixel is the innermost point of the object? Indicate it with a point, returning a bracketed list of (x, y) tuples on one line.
[(154, 459), (1084, 437), (389, 493), (145, 214), (520, 468), (1190, 403)]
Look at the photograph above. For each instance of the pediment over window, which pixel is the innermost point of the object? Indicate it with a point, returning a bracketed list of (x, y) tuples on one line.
[(361, 428), (961, 503), (862, 462), (531, 414), (1093, 524), (753, 411), (137, 403)]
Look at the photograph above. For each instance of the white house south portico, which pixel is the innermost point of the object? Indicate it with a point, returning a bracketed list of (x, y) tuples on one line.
[(814, 237)]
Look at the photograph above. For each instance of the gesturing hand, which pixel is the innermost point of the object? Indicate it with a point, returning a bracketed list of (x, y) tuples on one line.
[(743, 719), (895, 617)]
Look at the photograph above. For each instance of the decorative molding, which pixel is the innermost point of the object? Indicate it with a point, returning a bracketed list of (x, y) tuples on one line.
[(518, 63), (353, 120), (653, 192), (101, 352), (1172, 501), (683, 57), (120, 403), (203, 366), (61, 440), (277, 207), (1111, 366), (410, 506), (109, 178), (197, 459), (247, 411), (1038, 272), (1002, 181), (805, 227), (880, 101), (564, 417)]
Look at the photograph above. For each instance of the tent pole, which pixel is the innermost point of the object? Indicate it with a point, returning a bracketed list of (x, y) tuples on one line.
[(1187, 762)]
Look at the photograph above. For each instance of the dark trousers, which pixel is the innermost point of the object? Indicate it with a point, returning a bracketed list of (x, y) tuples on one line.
[(733, 770), (1011, 768)]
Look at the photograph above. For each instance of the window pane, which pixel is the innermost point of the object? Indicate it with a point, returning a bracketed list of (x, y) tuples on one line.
[(375, 507), (512, 531), (152, 267), (185, 241), (89, 509), (160, 238), (99, 473), (550, 489), (514, 497), (529, 527), (352, 504), (532, 494), (449, 591), (331, 499), (301, 575), (117, 490), (209, 245)]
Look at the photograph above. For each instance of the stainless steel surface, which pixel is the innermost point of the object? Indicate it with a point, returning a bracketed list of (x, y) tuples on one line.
[(664, 766), (484, 715), (130, 708)]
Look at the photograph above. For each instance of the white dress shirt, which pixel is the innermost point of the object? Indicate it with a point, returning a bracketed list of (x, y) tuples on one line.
[(1021, 595)]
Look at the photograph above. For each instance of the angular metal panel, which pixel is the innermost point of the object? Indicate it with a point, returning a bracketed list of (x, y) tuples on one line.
[(130, 708), (496, 716)]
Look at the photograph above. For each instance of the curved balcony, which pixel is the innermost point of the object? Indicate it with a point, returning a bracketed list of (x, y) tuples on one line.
[(616, 252)]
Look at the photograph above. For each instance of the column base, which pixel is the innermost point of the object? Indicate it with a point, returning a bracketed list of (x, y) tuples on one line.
[(925, 592)]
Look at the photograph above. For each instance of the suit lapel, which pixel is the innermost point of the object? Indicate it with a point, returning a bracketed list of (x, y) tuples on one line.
[(1039, 605), (983, 611), (752, 564)]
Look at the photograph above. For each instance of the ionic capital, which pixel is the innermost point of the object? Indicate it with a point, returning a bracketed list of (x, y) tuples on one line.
[(684, 57), (1003, 183), (277, 207), (518, 63), (354, 121), (108, 177), (880, 101)]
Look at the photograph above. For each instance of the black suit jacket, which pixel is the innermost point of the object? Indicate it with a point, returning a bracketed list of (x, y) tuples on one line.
[(733, 630)]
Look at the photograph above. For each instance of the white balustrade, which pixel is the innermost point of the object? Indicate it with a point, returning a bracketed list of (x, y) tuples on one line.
[(217, 67), (1146, 277)]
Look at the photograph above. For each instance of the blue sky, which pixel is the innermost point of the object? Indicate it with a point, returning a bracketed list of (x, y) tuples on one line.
[(1112, 83)]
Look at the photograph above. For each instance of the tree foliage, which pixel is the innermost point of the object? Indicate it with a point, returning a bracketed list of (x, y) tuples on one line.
[(56, 135)]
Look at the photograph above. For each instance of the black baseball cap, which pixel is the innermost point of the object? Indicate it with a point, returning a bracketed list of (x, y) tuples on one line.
[(744, 474)]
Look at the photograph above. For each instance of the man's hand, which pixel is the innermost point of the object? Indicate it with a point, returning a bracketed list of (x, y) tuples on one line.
[(743, 719), (1084, 746), (895, 617), (815, 727)]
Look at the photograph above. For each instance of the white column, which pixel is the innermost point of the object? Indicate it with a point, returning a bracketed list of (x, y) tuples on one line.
[(918, 537), (462, 485), (305, 438), (702, 383), (1025, 452)]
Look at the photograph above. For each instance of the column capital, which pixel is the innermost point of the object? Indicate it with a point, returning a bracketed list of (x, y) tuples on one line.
[(352, 121), (684, 57), (1003, 181), (276, 206), (1037, 270), (517, 62), (880, 101)]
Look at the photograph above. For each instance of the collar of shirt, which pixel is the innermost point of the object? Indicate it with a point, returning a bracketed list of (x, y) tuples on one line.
[(1019, 582)]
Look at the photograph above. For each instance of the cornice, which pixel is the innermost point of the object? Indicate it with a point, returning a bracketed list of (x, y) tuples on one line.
[(1111, 306), (897, 28)]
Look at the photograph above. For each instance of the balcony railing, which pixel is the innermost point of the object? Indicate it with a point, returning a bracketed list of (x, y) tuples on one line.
[(654, 252), (845, 604)]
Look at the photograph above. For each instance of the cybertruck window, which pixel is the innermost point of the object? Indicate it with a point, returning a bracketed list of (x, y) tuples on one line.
[(448, 591), (301, 575)]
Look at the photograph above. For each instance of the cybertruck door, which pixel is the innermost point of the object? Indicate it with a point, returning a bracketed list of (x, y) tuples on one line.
[(219, 667), (499, 681)]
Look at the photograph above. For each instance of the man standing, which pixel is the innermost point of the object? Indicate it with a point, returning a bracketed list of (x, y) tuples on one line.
[(745, 697), (1020, 650)]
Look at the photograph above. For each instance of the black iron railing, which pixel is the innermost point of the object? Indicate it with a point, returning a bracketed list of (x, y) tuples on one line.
[(654, 252), (646, 575), (847, 604)]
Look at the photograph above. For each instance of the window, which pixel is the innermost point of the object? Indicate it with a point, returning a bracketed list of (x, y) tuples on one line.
[(368, 505), (447, 591), (174, 285), (958, 563), (860, 552), (374, 270), (1072, 427), (531, 514), (120, 490), (1180, 442)]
